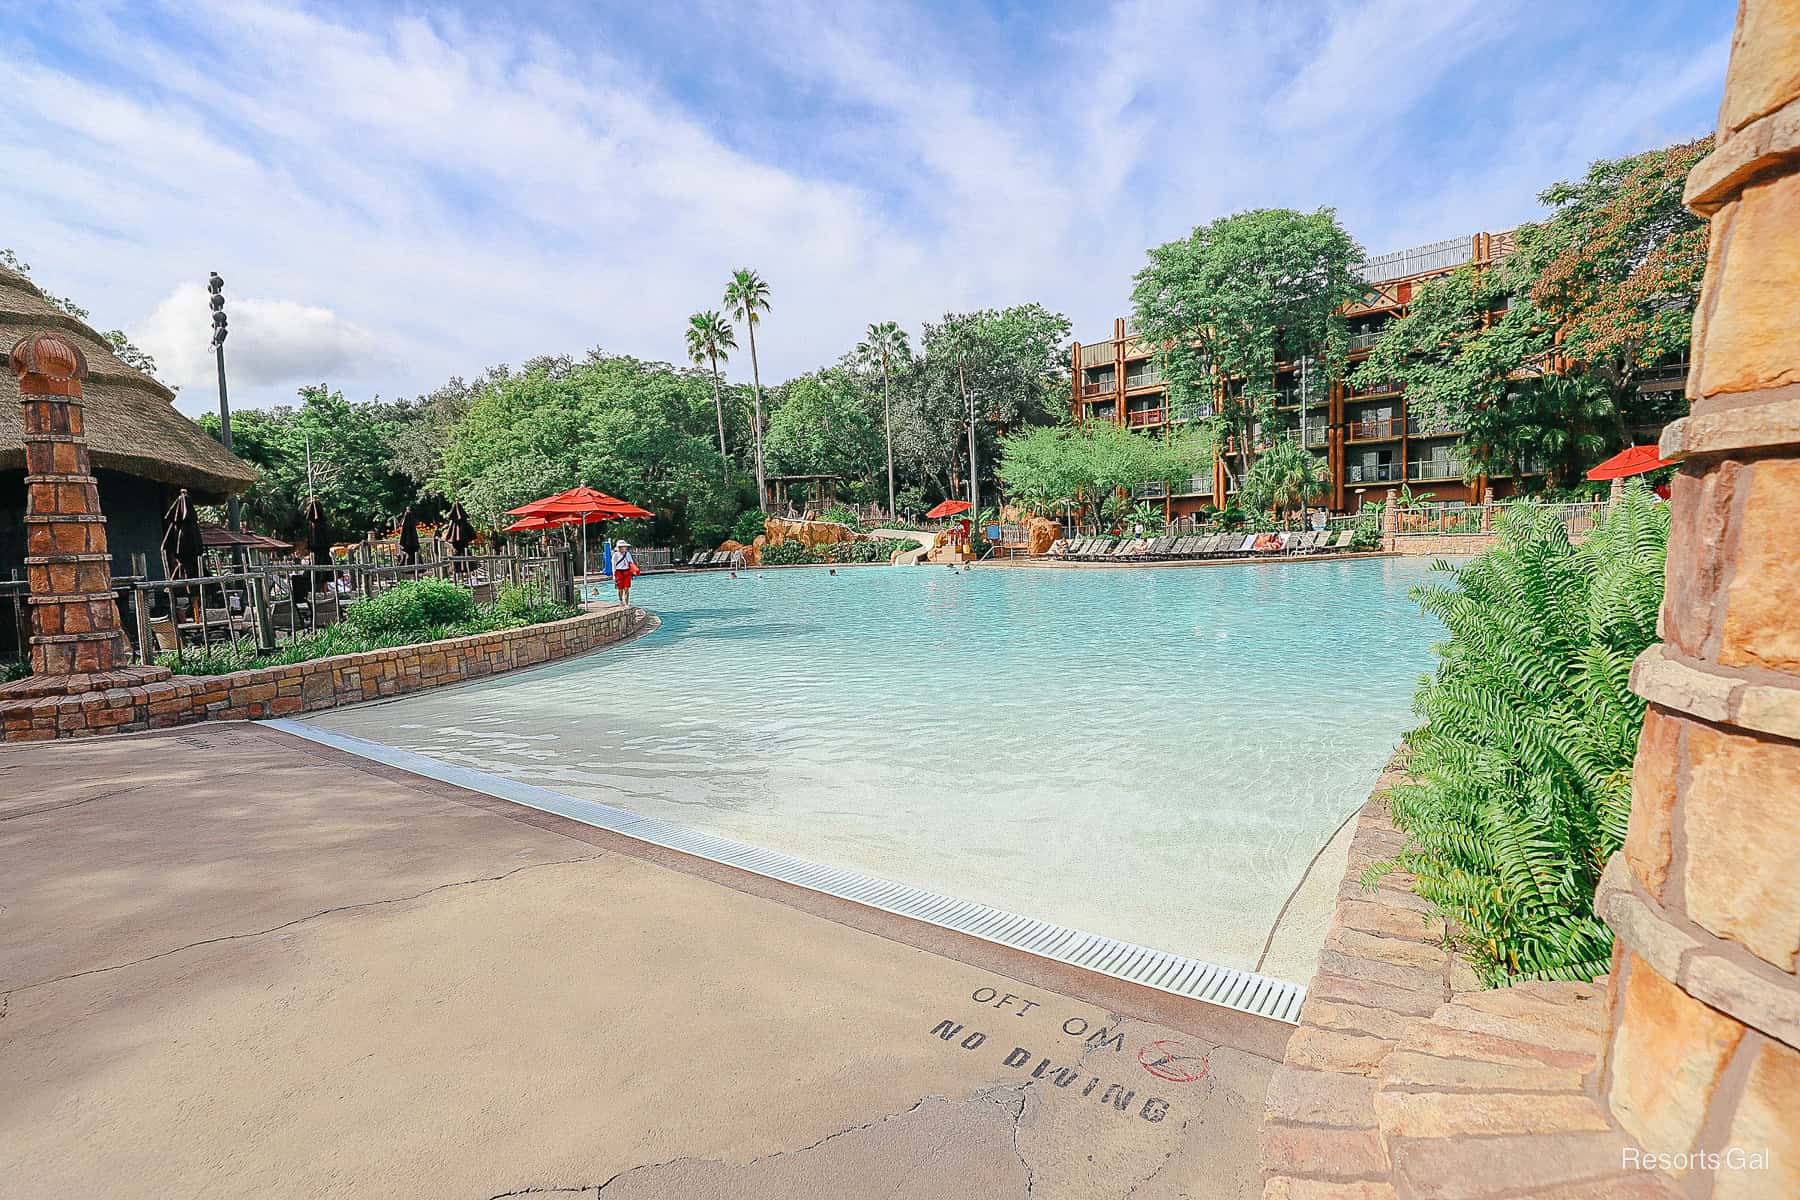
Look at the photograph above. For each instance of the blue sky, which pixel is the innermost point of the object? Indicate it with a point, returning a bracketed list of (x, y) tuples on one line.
[(399, 194)]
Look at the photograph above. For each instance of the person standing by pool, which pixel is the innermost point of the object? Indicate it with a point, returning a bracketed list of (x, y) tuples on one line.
[(624, 569)]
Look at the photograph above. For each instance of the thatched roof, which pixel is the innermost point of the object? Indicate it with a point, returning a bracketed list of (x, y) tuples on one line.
[(131, 421)]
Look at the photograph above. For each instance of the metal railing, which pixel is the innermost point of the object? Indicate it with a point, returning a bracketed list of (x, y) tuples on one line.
[(1365, 341), (1374, 430), (1372, 473), (1195, 485), (1150, 377), (1378, 387), (257, 611), (1434, 469), (1151, 491)]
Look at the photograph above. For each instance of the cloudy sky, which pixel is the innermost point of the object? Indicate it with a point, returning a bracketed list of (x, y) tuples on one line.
[(395, 195)]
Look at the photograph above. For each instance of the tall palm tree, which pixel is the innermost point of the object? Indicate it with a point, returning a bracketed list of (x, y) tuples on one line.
[(709, 336), (747, 298), (885, 341)]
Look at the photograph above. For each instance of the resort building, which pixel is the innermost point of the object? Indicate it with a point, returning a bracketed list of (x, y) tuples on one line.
[(143, 450), (1365, 435)]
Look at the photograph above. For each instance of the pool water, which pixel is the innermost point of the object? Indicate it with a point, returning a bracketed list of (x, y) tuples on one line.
[(1152, 755)]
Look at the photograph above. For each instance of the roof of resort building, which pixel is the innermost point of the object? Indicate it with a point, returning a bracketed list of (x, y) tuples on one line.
[(131, 421)]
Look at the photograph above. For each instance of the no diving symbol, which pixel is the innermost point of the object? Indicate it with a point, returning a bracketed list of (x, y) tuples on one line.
[(1174, 1061)]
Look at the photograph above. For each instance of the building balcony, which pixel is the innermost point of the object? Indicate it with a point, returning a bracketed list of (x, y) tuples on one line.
[(1439, 470), (1380, 387), (1195, 485), (1144, 418), (1142, 379), (1372, 473), (1102, 388), (1668, 377), (1374, 429), (1150, 491), (1365, 341)]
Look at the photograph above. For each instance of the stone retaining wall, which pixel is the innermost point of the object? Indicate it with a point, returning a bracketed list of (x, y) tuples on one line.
[(310, 686), (1406, 1080), (1444, 545)]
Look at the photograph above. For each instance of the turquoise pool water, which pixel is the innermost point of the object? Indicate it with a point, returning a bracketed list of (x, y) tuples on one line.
[(1153, 755)]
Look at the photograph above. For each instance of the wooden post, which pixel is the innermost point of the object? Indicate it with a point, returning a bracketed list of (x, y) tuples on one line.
[(265, 623)]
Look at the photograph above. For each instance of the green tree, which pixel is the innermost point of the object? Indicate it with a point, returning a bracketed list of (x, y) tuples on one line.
[(351, 447), (746, 299), (709, 336), (1237, 296), (1285, 479), (1007, 364), (885, 343), (820, 426)]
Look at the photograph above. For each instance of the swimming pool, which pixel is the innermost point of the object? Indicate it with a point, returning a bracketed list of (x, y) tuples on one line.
[(1150, 755)]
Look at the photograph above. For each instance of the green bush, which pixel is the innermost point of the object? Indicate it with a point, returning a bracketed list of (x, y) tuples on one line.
[(414, 605), (787, 554), (1522, 767), (748, 526), (842, 516), (13, 669)]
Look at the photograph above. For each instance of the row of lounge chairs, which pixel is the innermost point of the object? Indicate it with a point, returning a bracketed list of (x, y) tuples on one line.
[(1218, 545), (717, 558)]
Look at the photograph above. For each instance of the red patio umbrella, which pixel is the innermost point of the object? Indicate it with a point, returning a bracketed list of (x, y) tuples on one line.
[(1633, 460), (948, 508), (581, 505)]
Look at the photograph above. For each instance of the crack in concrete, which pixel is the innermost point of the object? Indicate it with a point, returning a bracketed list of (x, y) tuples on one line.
[(1180, 1141), (324, 912), (995, 1094), (50, 808)]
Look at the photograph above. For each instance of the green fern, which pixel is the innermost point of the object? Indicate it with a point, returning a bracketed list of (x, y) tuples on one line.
[(1522, 765)]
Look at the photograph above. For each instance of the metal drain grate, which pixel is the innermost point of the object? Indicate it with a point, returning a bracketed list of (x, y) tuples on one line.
[(1174, 973)]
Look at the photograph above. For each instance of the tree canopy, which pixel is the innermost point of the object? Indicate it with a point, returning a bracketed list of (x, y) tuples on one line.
[(1238, 295)]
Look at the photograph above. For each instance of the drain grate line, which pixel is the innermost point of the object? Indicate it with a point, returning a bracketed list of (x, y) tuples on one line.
[(1176, 974)]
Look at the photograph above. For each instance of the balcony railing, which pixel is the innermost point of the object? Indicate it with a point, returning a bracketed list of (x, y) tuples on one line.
[(1151, 491), (1375, 429), (1669, 377), (1102, 388), (1434, 468), (1372, 473), (1195, 485), (1144, 417), (1364, 341), (1138, 379), (1380, 387)]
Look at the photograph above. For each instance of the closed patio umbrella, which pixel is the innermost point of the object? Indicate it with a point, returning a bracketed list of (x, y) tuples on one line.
[(181, 539), (409, 537), (459, 531)]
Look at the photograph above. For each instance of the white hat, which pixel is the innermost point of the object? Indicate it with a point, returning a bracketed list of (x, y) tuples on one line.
[(621, 544)]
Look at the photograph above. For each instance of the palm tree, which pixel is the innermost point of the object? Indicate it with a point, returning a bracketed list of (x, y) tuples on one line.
[(885, 340), (1285, 478), (747, 298), (709, 336)]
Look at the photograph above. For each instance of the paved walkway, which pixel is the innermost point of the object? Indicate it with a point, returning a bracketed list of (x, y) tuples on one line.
[(235, 963)]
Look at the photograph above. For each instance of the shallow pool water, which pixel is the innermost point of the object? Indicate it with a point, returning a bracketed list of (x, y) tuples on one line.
[(1153, 755)]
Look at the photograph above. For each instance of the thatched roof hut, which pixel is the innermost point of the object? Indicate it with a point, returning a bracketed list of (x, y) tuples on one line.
[(143, 450), (132, 424)]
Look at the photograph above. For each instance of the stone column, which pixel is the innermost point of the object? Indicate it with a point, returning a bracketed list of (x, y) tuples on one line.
[(1487, 510), (76, 640), (1390, 522), (1703, 1047), (1614, 494)]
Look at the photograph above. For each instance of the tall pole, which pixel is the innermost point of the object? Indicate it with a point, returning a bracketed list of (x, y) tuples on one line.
[(233, 515), (974, 488)]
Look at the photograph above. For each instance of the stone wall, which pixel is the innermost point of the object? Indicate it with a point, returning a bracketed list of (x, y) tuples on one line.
[(1703, 1043), (310, 686), (1444, 545)]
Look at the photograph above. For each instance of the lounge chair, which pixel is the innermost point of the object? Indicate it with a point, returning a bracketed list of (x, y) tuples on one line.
[(699, 559), (1187, 547)]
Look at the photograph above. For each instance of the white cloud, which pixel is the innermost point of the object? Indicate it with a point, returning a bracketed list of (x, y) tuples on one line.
[(413, 198), (271, 343)]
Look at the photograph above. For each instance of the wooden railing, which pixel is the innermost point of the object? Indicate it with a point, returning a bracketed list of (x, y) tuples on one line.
[(1144, 417), (1375, 429)]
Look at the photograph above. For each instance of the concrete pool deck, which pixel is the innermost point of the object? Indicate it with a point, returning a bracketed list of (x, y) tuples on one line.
[(235, 961)]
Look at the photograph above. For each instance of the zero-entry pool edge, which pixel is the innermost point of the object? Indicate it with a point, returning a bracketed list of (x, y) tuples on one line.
[(1245, 991)]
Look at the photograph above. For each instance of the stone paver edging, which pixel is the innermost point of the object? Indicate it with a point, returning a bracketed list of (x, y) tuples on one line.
[(1407, 1081), (310, 686)]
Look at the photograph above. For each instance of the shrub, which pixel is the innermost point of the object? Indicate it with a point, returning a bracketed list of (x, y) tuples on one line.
[(408, 607), (1522, 768), (787, 554), (749, 526), (842, 516)]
